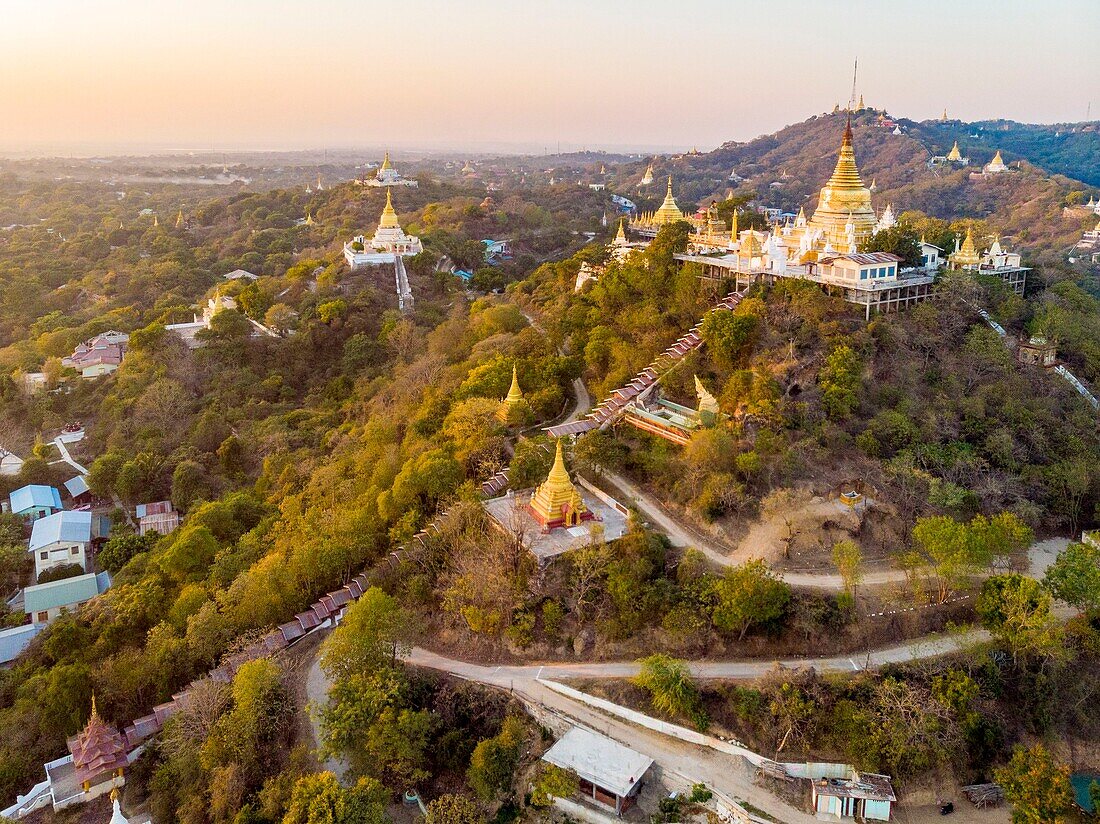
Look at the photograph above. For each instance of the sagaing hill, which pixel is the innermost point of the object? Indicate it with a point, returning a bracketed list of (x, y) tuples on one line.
[(786, 170)]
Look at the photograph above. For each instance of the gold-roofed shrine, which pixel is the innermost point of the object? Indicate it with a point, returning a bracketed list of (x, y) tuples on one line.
[(557, 503)]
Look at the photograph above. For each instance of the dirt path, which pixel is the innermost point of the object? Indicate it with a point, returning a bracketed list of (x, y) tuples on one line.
[(317, 686), (765, 534)]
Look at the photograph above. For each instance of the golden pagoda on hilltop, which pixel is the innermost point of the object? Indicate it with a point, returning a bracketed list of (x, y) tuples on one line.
[(556, 502), (997, 164), (389, 216), (966, 256), (512, 399), (955, 155), (647, 178), (669, 211), (843, 200)]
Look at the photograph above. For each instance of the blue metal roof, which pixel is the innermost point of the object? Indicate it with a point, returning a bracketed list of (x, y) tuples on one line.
[(33, 496), (15, 639), (64, 593), (74, 526)]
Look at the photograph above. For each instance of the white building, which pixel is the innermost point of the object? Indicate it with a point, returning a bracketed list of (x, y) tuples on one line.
[(610, 774), (931, 255), (189, 331), (61, 538), (388, 243)]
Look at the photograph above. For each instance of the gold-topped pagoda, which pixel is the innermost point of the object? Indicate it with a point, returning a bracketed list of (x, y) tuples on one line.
[(669, 211), (843, 200), (557, 503), (512, 399), (965, 256), (389, 216), (99, 755), (955, 155)]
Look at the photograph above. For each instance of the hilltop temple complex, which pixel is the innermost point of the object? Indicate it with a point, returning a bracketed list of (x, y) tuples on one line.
[(387, 175), (389, 241), (825, 247)]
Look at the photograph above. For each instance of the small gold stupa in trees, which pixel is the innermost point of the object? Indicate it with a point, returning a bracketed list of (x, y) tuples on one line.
[(512, 400), (557, 502), (967, 255)]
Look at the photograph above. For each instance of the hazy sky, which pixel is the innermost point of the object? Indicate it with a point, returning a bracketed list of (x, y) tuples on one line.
[(226, 74)]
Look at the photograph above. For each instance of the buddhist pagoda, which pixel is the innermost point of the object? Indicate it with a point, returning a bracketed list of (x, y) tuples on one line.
[(966, 256), (386, 175), (668, 212), (955, 156), (844, 200), (996, 165), (557, 503), (513, 399), (99, 755), (647, 178)]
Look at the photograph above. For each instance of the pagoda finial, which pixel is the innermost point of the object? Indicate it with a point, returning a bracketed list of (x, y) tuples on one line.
[(620, 236), (669, 192), (95, 713), (733, 225), (847, 141)]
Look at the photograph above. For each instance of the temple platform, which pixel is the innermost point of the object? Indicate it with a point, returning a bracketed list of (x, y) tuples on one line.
[(511, 514)]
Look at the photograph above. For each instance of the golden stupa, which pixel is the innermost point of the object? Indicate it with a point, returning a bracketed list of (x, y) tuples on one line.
[(385, 163), (556, 502), (389, 216), (844, 198), (620, 236), (512, 399), (669, 211), (967, 255), (955, 155)]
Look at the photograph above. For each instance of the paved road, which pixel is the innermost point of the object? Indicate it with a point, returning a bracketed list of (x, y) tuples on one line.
[(928, 647), (679, 763)]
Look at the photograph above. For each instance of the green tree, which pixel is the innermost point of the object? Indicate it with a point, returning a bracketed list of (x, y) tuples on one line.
[(671, 689), (375, 630), (454, 809), (901, 240), (849, 563), (748, 594), (730, 336), (551, 782), (839, 380), (318, 798), (1017, 611), (1036, 786), (1074, 577), (118, 551), (493, 762)]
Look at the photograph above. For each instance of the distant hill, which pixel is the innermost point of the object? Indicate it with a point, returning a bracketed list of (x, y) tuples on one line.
[(1070, 149), (788, 168)]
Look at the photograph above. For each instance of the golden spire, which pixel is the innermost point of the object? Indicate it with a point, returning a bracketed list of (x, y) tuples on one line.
[(669, 211), (620, 236), (156, 220), (385, 163), (943, 117), (861, 106), (514, 396), (967, 254), (179, 219), (309, 218), (733, 225), (389, 216), (998, 161), (844, 198), (954, 154)]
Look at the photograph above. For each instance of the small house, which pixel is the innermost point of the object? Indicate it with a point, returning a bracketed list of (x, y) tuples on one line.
[(10, 463), (78, 490), (35, 501), (45, 602), (1037, 351), (61, 538), (610, 774), (157, 517), (867, 796)]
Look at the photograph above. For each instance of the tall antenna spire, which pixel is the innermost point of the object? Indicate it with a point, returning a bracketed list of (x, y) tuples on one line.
[(852, 99)]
